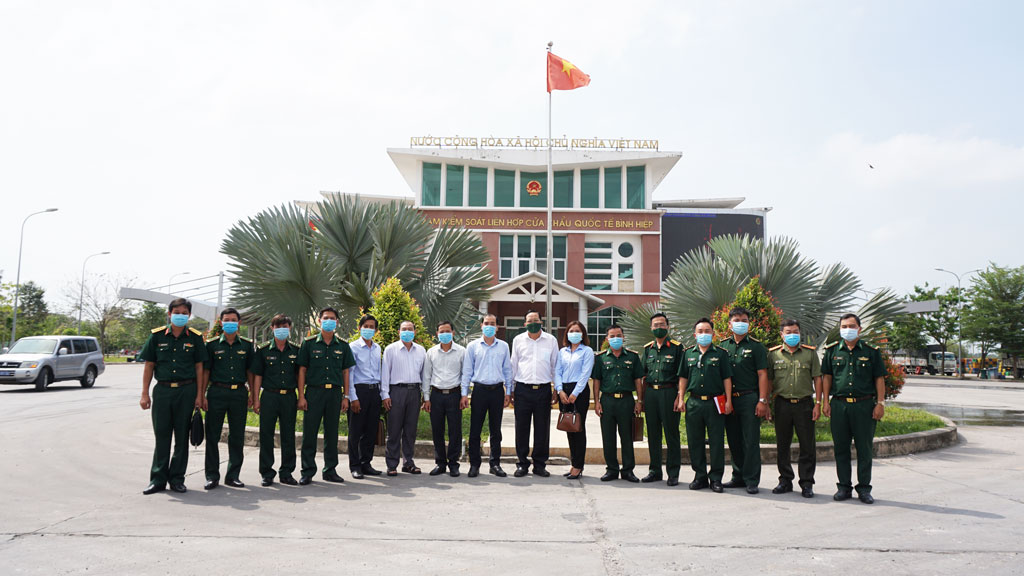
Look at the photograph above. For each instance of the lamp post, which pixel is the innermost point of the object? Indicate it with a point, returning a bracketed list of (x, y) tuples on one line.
[(171, 279), (17, 281), (81, 291), (959, 326)]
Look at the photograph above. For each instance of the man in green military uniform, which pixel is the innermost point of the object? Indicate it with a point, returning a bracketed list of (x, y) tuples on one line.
[(660, 363), (705, 372), (617, 373), (274, 383), (175, 355), (749, 363), (854, 374), (324, 361), (794, 375), (227, 374)]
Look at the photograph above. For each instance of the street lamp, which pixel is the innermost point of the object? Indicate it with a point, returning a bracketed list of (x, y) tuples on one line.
[(17, 281), (81, 291), (171, 279), (959, 326)]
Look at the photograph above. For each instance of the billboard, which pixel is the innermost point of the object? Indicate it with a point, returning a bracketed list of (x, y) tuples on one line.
[(684, 231)]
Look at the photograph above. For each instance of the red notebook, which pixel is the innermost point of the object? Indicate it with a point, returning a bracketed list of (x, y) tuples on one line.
[(720, 403)]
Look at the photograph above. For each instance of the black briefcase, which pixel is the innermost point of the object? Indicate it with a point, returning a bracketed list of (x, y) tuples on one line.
[(197, 432)]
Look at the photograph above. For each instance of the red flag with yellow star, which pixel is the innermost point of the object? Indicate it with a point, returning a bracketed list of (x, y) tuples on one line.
[(562, 75)]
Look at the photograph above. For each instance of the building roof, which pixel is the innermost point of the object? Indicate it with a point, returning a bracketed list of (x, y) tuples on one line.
[(529, 291)]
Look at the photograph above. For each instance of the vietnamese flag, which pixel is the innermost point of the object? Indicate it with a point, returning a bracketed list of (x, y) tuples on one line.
[(562, 75)]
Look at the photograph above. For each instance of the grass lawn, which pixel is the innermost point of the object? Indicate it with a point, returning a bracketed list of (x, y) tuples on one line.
[(116, 359), (422, 430)]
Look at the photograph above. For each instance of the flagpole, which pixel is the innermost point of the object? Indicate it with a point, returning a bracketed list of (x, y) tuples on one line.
[(551, 189)]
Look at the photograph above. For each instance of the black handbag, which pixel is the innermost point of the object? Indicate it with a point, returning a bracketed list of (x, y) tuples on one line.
[(198, 432)]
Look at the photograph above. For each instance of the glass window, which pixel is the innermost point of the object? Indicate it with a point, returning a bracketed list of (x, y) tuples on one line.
[(505, 246), (560, 270), (559, 246), (431, 184), (524, 267), (563, 189), (504, 188), (590, 188), (79, 346), (598, 266), (506, 270), (453, 187), (533, 189), (91, 344), (625, 271), (625, 249), (477, 186), (525, 250), (542, 247), (599, 245), (635, 187), (601, 255), (598, 322), (597, 276), (613, 187)]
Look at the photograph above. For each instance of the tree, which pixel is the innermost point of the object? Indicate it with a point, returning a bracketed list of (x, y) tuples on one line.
[(996, 311), (764, 315), (101, 303), (939, 326), (392, 305), (907, 334), (32, 310)]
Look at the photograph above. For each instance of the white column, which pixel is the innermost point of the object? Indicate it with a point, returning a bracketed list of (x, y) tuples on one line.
[(584, 312), (483, 307)]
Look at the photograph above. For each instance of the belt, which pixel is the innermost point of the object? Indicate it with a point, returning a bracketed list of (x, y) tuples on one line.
[(368, 386), (742, 393), (228, 386), (324, 386), (281, 391), (618, 395), (662, 386), (704, 398), (406, 385), (487, 386), (444, 390), (852, 399), (534, 386), (177, 384), (795, 400)]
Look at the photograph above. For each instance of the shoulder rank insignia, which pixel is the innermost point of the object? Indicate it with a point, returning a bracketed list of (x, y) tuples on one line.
[(752, 339), (808, 346), (158, 329), (832, 344), (774, 348), (676, 342), (196, 332), (649, 344)]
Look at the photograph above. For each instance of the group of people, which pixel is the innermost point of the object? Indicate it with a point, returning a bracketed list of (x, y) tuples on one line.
[(724, 390)]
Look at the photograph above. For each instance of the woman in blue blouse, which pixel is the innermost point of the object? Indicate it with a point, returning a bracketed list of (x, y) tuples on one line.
[(572, 373)]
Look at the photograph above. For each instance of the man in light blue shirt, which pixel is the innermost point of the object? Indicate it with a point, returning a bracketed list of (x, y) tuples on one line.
[(364, 400), (487, 366), (401, 376)]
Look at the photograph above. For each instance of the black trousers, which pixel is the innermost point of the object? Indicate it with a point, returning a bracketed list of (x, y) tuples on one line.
[(532, 406), (444, 408), (485, 402), (362, 427), (578, 440), (790, 417)]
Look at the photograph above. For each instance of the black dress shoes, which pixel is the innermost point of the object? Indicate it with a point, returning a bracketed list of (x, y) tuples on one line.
[(576, 476), (437, 471), (866, 498), (520, 472), (673, 481), (609, 476), (734, 484), (371, 471), (630, 477), (651, 477), (178, 487), (699, 484), (807, 492), (474, 471), (267, 482), (453, 471), (288, 480), (842, 494), (717, 487), (567, 474), (333, 477), (542, 472), (305, 480), (154, 488), (210, 485), (234, 483), (357, 474), (497, 471), (782, 488), (752, 490)]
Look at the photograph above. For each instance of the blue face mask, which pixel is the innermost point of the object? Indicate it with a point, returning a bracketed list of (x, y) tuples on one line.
[(490, 331), (282, 333), (740, 328), (704, 339), (229, 327), (179, 320), (849, 334), (444, 337), (407, 336), (791, 340), (367, 333), (575, 337), (615, 342), (329, 325)]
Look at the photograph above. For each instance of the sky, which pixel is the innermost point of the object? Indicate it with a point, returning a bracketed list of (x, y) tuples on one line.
[(156, 126)]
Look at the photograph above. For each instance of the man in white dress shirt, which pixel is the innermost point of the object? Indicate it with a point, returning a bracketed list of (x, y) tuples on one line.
[(534, 354), (401, 376), (442, 399)]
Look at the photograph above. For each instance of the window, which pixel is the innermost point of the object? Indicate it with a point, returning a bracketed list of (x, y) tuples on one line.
[(563, 189), (91, 345), (610, 266), (505, 257), (431, 193), (598, 323), (533, 189), (504, 188), (79, 346), (65, 345), (635, 187), (626, 271), (523, 253), (625, 249), (613, 187), (477, 186), (453, 187), (590, 188)]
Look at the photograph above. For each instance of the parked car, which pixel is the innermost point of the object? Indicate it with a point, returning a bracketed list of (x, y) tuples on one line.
[(43, 360)]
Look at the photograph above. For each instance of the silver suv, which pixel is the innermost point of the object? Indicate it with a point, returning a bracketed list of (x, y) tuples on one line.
[(43, 360)]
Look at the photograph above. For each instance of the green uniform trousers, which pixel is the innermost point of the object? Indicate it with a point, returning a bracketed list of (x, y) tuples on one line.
[(853, 421), (172, 413), (276, 407), (323, 405), (703, 420), (223, 402), (743, 429), (658, 407), (617, 417)]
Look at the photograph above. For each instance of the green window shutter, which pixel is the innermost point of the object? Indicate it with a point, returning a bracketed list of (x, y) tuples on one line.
[(635, 187), (431, 194), (613, 188), (504, 188), (453, 188), (477, 186), (590, 188), (505, 246), (525, 199), (563, 189), (558, 247)]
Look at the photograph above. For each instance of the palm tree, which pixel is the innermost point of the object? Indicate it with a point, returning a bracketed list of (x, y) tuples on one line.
[(287, 260)]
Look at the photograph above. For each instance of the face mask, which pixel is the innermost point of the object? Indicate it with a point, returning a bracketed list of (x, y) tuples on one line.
[(791, 340), (229, 327), (533, 327), (329, 325), (704, 339), (282, 333), (367, 333), (575, 337), (406, 336), (490, 331), (179, 320), (444, 337), (740, 328), (615, 342), (660, 332), (849, 334)]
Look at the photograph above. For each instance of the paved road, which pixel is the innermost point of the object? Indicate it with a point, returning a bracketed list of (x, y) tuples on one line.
[(73, 463)]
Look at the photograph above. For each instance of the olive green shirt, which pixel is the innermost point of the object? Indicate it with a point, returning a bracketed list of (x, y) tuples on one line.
[(705, 373), (275, 366), (792, 374), (617, 374), (661, 363), (325, 364), (853, 371), (229, 363), (175, 358), (746, 358)]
